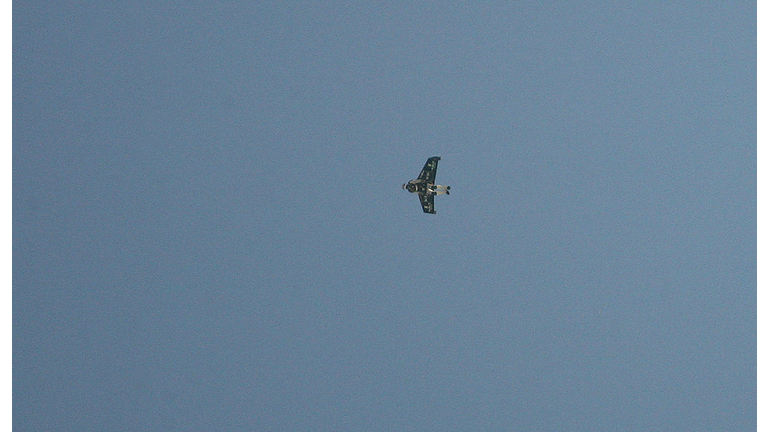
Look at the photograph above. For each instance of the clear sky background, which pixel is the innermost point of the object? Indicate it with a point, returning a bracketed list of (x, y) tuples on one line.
[(209, 231)]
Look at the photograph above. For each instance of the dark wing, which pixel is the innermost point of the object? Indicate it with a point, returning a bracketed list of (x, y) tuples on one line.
[(429, 172), (427, 202)]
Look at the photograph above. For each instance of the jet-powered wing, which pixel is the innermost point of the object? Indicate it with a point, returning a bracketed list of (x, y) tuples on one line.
[(428, 201), (425, 186), (429, 172)]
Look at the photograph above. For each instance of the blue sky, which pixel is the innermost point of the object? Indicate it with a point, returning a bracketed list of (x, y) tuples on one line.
[(209, 231)]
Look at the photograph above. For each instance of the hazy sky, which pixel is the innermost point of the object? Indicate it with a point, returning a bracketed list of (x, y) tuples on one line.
[(209, 231)]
